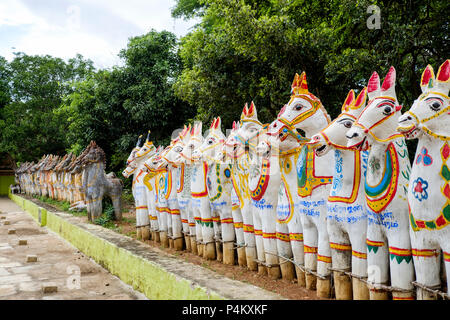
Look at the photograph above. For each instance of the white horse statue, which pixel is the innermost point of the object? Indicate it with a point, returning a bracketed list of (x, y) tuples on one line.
[(181, 174), (200, 200), (305, 111), (387, 178), (219, 190), (136, 167), (429, 189), (347, 216)]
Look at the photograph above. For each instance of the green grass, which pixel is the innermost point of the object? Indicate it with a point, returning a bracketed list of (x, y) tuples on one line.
[(61, 205)]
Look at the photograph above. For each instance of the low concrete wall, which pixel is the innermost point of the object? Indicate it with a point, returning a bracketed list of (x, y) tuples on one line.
[(157, 275)]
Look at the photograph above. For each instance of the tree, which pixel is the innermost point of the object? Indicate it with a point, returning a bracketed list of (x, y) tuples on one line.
[(28, 125), (251, 49), (115, 107)]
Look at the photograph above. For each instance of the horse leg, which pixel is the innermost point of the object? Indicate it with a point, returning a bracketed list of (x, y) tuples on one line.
[(215, 214), (377, 261), (239, 232), (426, 265), (284, 250), (310, 250), (228, 235), (296, 241), (341, 250), (257, 223), (323, 259), (358, 236)]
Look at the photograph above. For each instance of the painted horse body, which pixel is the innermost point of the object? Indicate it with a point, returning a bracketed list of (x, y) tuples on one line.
[(429, 187), (305, 111), (387, 178)]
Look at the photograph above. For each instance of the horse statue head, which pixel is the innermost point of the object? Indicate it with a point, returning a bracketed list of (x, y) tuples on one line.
[(248, 128), (95, 154), (377, 123), (172, 154), (429, 113), (334, 135), (195, 141), (146, 150), (154, 162), (212, 145), (304, 110), (135, 150)]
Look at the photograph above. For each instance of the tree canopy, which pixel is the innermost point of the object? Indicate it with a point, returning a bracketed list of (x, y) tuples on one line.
[(241, 50)]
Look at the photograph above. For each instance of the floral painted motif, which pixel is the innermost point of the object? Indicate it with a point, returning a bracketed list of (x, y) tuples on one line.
[(419, 189), (424, 157)]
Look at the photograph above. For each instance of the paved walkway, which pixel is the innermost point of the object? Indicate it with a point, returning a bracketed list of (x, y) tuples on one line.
[(58, 264)]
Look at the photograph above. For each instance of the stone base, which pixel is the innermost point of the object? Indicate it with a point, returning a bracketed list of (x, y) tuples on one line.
[(287, 270), (262, 270), (301, 281), (242, 259), (219, 251), (228, 253), (274, 272), (209, 251), (164, 239), (311, 281), (323, 288), (178, 244), (342, 286), (360, 290)]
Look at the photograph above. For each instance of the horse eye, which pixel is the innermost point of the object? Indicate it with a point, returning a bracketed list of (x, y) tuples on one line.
[(435, 106), (347, 124), (387, 110), (191, 146), (298, 107)]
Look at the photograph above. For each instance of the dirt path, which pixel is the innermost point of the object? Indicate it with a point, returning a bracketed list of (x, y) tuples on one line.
[(287, 289), (58, 264)]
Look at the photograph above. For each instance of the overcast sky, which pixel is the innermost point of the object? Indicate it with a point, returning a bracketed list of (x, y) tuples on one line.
[(97, 29)]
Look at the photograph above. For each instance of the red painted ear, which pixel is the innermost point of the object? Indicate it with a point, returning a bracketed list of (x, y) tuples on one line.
[(212, 123), (217, 123), (361, 98), (389, 80), (350, 98), (245, 111), (427, 75), (251, 109), (234, 125), (443, 74), (281, 111), (374, 83)]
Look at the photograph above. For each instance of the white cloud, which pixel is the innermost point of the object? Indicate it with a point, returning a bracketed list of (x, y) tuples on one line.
[(96, 29)]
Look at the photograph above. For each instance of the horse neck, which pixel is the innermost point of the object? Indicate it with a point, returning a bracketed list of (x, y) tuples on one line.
[(94, 172), (347, 164), (376, 166), (314, 124)]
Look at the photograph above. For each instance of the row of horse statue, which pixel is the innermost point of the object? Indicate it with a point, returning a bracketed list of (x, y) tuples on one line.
[(360, 215), (81, 180), (359, 220)]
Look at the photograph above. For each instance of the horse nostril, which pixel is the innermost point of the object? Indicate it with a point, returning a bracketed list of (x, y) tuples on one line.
[(354, 135)]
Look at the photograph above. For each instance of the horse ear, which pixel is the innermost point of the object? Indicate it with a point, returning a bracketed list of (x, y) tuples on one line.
[(251, 113), (443, 78), (360, 99), (348, 101), (299, 85), (427, 79), (212, 123), (388, 87), (217, 123), (234, 125), (373, 87), (281, 111)]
